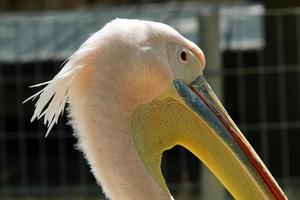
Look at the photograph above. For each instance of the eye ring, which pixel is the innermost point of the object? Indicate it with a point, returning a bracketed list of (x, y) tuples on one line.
[(183, 56)]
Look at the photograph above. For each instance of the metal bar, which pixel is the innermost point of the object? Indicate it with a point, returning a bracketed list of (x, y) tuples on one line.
[(241, 85), (262, 109), (211, 188), (38, 134), (184, 179), (20, 120), (282, 98), (3, 147), (283, 11)]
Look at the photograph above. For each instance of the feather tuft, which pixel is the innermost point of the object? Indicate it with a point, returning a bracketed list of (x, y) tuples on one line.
[(51, 99), (54, 96)]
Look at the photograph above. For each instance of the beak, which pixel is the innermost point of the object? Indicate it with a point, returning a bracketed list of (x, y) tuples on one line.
[(222, 147)]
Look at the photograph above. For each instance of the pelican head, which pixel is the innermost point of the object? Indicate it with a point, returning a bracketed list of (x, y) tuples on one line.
[(135, 89)]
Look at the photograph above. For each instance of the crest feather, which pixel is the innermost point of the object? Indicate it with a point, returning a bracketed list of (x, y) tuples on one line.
[(54, 96)]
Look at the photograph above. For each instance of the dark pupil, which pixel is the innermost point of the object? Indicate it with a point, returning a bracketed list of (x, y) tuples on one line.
[(183, 55)]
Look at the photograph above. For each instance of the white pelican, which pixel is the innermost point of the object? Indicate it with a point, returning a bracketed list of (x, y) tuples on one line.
[(135, 89)]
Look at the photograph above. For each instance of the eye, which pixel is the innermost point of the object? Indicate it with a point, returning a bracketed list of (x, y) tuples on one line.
[(183, 56)]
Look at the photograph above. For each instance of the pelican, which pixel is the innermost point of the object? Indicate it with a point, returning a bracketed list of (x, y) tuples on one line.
[(135, 89)]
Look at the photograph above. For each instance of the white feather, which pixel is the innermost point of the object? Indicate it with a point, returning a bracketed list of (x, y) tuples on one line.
[(52, 99)]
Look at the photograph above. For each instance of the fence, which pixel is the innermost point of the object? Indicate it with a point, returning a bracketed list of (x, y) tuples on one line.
[(258, 82)]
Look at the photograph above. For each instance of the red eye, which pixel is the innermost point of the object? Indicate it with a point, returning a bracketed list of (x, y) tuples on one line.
[(183, 55)]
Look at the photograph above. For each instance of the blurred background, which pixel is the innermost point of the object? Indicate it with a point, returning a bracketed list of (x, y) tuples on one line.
[(253, 64)]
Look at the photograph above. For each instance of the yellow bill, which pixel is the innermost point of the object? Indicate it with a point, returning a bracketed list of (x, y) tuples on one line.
[(190, 115)]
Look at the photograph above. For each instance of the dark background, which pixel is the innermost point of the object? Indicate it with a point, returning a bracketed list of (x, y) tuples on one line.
[(260, 91)]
